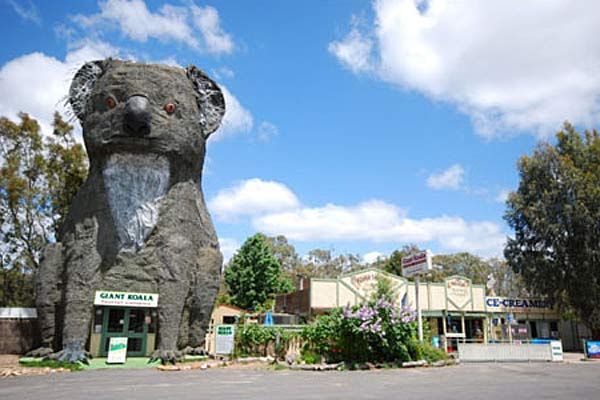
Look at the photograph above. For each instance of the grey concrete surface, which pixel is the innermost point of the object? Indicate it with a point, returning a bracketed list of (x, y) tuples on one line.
[(472, 381)]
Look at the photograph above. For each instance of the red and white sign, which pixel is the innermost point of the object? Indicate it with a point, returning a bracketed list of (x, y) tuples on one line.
[(416, 264)]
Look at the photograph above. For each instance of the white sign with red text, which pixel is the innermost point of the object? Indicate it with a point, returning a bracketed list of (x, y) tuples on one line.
[(416, 264)]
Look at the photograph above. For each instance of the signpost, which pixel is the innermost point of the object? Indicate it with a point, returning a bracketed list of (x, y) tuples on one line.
[(117, 350), (414, 266), (224, 339)]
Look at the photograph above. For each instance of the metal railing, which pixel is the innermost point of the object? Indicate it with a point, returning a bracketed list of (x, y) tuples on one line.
[(524, 350)]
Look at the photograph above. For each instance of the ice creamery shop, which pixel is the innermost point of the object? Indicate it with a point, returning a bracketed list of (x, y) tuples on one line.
[(130, 315)]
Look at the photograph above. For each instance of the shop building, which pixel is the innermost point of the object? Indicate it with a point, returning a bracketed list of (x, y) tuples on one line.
[(124, 314), (455, 309)]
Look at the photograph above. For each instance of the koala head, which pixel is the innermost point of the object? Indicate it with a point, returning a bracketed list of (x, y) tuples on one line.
[(145, 108)]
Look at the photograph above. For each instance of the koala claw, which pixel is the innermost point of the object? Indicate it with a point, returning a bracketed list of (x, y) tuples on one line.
[(166, 356), (71, 354), (40, 352)]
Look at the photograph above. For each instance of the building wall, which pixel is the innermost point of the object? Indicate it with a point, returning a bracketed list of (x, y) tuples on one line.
[(216, 318), (18, 336), (323, 293), (297, 303)]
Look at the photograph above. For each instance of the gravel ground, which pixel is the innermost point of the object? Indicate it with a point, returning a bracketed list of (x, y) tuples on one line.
[(469, 381)]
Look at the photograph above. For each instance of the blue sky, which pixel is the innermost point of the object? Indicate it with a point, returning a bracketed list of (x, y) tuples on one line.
[(353, 126)]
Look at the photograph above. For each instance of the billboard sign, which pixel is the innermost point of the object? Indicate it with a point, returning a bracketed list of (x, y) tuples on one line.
[(592, 349), (416, 264)]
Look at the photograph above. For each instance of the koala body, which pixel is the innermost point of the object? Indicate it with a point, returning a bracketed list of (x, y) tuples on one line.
[(139, 223)]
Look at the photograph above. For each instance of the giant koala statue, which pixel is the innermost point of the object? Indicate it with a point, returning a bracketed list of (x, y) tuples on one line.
[(139, 223)]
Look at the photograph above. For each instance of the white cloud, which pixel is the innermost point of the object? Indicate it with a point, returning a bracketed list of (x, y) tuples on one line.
[(26, 10), (252, 197), (373, 256), (38, 84), (168, 24), (223, 73), (237, 119), (451, 178), (354, 51), (267, 131), (228, 248), (216, 39), (275, 210), (502, 196), (378, 221), (510, 65)]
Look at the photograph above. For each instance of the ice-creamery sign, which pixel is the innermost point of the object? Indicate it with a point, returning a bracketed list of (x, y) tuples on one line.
[(125, 299)]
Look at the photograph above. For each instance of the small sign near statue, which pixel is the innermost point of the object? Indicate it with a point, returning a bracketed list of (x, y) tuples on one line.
[(117, 350), (224, 339)]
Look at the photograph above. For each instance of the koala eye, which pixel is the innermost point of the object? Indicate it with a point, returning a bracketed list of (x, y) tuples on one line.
[(111, 102), (170, 108)]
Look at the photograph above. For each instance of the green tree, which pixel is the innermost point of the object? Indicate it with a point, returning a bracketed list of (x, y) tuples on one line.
[(284, 252), (254, 274), (555, 213), (38, 178), (465, 264), (321, 263), (393, 264)]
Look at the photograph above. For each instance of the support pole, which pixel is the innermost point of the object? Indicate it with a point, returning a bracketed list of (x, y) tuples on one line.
[(419, 316)]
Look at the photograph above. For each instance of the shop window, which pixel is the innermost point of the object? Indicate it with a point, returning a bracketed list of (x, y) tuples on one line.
[(116, 318), (534, 332), (554, 329), (151, 319), (136, 320), (98, 317), (134, 345)]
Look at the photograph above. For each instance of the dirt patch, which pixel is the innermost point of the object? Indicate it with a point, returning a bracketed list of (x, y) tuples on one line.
[(9, 360), (9, 366)]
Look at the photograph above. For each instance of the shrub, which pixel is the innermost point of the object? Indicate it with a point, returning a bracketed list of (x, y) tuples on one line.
[(259, 340), (374, 332), (425, 351)]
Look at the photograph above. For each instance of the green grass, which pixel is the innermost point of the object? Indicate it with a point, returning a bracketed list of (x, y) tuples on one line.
[(99, 363), (131, 362), (190, 358), (40, 363)]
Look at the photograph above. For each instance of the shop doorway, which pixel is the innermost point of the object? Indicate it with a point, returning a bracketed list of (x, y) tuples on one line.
[(131, 323), (474, 329)]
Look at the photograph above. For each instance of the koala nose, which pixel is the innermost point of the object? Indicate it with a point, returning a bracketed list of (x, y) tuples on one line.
[(137, 118)]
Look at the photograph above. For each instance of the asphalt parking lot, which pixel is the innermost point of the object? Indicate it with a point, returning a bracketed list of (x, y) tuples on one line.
[(469, 381)]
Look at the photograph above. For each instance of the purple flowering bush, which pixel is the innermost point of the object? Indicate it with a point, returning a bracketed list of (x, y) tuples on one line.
[(378, 331)]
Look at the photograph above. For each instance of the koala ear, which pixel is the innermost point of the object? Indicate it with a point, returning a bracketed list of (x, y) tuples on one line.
[(210, 100), (82, 85)]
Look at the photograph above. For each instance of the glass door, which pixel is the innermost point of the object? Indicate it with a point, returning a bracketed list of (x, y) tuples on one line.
[(136, 332), (125, 322)]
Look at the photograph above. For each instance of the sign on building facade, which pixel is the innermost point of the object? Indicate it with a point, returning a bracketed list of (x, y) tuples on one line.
[(458, 291), (507, 304), (125, 299)]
